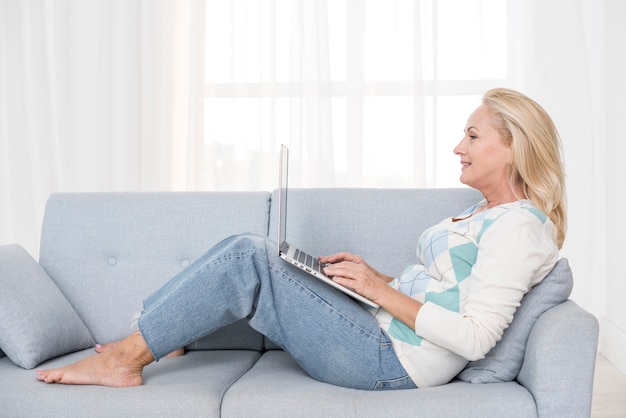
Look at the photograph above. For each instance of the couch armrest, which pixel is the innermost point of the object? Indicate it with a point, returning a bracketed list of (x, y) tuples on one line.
[(559, 362)]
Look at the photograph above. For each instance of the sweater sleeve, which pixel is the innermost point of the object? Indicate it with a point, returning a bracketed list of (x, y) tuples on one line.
[(514, 253)]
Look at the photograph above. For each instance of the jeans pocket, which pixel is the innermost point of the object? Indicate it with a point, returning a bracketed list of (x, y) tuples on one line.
[(404, 382)]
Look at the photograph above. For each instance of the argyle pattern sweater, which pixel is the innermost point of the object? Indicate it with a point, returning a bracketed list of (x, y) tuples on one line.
[(471, 275)]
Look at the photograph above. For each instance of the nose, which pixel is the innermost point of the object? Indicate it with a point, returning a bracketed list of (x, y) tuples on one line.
[(460, 148)]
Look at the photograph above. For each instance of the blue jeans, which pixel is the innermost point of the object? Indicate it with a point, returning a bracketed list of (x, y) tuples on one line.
[(332, 337)]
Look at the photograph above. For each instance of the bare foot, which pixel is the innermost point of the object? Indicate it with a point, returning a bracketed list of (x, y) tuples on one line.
[(103, 348), (120, 366)]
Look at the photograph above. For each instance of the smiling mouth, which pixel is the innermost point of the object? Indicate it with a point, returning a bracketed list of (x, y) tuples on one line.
[(465, 164)]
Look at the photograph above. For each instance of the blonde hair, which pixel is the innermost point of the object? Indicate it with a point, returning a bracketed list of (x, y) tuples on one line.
[(536, 153)]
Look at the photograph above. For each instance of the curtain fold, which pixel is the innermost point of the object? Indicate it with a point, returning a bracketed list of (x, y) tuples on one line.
[(563, 70), (29, 118), (297, 73), (311, 136), (96, 96), (172, 86)]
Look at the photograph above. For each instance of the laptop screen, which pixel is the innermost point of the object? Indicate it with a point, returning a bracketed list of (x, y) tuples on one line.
[(282, 195)]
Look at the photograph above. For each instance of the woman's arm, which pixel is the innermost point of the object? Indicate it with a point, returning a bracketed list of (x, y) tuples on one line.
[(353, 272)]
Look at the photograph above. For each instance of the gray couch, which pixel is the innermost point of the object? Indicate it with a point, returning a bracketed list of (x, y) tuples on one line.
[(102, 253)]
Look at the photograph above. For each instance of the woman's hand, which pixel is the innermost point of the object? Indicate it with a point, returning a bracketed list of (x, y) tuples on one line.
[(353, 272)]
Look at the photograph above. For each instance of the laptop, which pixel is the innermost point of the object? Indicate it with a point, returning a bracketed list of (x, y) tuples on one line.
[(294, 255)]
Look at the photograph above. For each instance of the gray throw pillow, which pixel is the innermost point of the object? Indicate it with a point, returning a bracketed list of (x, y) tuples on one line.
[(504, 361), (36, 320)]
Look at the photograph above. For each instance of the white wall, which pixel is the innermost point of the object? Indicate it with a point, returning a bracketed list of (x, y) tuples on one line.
[(613, 323)]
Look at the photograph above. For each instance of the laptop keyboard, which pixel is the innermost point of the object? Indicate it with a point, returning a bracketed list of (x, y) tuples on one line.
[(309, 261)]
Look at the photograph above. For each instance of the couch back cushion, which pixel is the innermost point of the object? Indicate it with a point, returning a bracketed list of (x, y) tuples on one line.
[(108, 251)]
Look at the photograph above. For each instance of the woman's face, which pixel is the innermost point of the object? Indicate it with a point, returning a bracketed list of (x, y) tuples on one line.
[(485, 158)]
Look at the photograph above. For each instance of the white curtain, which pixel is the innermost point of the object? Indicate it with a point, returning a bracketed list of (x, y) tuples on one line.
[(268, 73), (96, 95), (562, 67), (29, 165), (111, 95), (296, 72)]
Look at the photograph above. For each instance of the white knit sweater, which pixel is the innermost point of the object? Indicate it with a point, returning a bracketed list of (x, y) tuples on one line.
[(471, 275)]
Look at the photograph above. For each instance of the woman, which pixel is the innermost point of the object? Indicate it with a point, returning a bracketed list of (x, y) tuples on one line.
[(448, 309)]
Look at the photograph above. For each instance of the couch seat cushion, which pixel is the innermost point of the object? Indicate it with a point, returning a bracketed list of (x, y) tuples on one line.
[(276, 386), (187, 386)]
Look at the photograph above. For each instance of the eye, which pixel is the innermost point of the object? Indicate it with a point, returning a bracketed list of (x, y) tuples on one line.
[(471, 133)]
